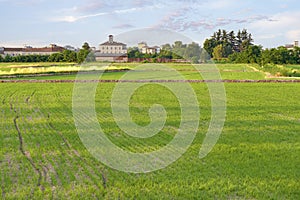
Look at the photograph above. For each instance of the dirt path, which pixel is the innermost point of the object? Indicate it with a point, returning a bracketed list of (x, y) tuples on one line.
[(285, 80), (268, 75)]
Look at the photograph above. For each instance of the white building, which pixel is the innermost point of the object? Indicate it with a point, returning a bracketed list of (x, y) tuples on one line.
[(145, 49), (291, 46), (112, 51), (28, 50)]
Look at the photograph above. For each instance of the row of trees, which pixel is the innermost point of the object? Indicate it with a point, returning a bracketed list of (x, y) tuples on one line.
[(222, 46), (239, 48), (65, 56), (178, 50), (255, 54), (223, 43)]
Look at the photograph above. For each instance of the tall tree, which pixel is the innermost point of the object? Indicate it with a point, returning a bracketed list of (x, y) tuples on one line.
[(230, 42), (178, 49), (82, 55), (86, 46), (218, 53), (192, 52), (166, 51), (209, 45)]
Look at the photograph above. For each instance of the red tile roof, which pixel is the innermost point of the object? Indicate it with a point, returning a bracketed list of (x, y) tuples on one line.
[(45, 49), (113, 43)]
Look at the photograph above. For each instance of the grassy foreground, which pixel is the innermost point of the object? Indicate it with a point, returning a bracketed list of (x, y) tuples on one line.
[(256, 157)]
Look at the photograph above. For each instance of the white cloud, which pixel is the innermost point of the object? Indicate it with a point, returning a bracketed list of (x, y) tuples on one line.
[(123, 26), (76, 18), (73, 17), (184, 19), (293, 35), (284, 20), (220, 4), (284, 27), (21, 43)]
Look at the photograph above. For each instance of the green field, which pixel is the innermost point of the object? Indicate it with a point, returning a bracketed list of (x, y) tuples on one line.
[(256, 157), (228, 71)]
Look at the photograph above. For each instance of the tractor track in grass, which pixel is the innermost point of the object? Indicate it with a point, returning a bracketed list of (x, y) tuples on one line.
[(152, 81), (39, 169), (89, 170), (25, 153)]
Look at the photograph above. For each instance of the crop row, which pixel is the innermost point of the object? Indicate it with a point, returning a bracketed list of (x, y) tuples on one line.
[(152, 81)]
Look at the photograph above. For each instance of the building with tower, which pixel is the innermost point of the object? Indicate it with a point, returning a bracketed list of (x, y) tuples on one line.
[(112, 51), (292, 46)]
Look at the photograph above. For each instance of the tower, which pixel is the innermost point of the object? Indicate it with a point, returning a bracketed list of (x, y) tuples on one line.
[(296, 43), (111, 38)]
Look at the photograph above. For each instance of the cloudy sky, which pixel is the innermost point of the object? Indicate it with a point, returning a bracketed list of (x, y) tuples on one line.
[(72, 22)]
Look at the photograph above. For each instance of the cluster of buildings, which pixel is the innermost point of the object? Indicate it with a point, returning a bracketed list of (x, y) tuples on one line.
[(144, 48), (28, 50), (111, 51), (117, 52), (292, 46)]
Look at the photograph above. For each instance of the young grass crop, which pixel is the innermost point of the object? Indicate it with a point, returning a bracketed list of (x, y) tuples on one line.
[(51, 68), (256, 157)]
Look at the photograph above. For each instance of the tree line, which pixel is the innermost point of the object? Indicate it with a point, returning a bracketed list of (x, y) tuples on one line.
[(223, 43), (64, 56), (178, 50), (224, 46)]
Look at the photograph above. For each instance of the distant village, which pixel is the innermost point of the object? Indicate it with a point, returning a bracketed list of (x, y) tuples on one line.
[(114, 51), (110, 50)]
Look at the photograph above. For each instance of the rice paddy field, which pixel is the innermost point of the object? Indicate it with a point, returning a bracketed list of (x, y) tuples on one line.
[(256, 157)]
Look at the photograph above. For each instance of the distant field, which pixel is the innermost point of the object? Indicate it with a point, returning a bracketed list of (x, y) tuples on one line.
[(256, 157), (293, 67), (228, 71)]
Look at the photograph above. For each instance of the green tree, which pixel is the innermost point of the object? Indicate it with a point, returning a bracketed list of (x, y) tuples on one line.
[(81, 55), (166, 51), (69, 56), (218, 53), (86, 46), (296, 55), (229, 41), (56, 57), (8, 58), (204, 56), (252, 54), (209, 45), (192, 52), (133, 52), (178, 50)]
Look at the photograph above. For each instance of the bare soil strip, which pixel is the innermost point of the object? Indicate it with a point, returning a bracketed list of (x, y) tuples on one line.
[(151, 81), (21, 146), (26, 154)]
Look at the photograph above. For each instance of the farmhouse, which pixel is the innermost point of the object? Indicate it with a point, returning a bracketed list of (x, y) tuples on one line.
[(112, 51), (291, 46), (144, 48), (28, 50)]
